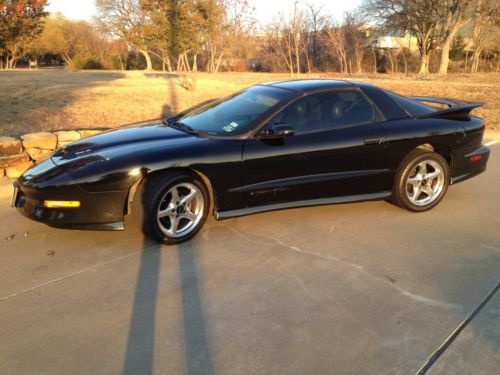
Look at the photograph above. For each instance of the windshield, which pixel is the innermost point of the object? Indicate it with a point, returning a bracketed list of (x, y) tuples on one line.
[(235, 114)]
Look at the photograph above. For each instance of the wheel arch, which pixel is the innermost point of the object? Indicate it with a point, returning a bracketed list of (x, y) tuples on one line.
[(445, 152), (149, 174)]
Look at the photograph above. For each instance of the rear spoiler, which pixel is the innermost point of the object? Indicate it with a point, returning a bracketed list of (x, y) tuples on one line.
[(455, 110)]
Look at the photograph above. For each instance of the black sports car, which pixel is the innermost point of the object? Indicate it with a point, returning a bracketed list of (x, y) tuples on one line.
[(270, 146)]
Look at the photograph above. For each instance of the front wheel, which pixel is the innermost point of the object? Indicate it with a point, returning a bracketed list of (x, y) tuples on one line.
[(175, 207), (422, 181)]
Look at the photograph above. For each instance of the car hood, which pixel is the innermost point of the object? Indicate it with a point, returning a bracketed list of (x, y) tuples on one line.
[(123, 141)]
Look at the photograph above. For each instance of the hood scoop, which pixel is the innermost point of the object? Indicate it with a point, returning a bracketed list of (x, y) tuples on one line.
[(73, 151)]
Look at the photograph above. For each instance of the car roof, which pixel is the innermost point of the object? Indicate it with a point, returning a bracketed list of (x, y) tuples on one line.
[(311, 85), (388, 107)]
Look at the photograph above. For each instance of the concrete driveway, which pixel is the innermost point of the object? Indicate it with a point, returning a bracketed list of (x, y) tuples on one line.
[(363, 288)]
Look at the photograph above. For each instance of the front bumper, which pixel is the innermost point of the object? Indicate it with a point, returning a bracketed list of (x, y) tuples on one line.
[(97, 211)]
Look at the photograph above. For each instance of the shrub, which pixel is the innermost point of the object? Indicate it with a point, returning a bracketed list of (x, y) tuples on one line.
[(87, 63)]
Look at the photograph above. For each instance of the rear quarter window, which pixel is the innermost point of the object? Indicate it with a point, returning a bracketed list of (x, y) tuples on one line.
[(412, 107)]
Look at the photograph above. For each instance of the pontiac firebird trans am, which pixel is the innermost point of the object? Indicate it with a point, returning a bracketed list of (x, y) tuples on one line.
[(268, 147)]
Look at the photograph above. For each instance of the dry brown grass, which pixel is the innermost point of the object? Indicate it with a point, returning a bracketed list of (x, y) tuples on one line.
[(58, 99)]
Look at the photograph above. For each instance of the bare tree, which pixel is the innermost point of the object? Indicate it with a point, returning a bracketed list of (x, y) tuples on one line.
[(486, 29), (455, 11), (423, 18), (279, 44), (356, 39), (335, 42), (125, 20), (403, 52), (229, 26), (315, 21), (288, 40)]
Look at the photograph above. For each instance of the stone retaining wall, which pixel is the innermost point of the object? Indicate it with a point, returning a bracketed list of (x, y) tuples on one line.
[(17, 155)]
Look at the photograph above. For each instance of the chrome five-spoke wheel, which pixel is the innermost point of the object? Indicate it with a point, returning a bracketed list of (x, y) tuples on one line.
[(421, 181), (180, 210), (173, 206), (425, 183)]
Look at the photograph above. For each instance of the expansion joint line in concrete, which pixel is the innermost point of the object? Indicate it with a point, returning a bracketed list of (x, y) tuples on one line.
[(449, 340), (59, 279)]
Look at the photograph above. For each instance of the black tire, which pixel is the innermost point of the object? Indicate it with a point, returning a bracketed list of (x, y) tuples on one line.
[(410, 168), (154, 192)]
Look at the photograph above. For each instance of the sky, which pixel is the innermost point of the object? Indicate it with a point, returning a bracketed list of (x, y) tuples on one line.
[(264, 9)]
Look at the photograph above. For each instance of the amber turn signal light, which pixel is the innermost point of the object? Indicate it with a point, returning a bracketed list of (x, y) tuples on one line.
[(59, 204)]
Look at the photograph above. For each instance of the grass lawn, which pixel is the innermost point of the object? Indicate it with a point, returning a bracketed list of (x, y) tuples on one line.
[(40, 100)]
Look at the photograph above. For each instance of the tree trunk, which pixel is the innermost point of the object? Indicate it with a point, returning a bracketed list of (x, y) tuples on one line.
[(121, 62), (179, 60), (374, 60), (297, 61), (39, 60), (169, 64), (186, 62), (475, 61), (424, 62), (445, 56), (149, 64), (119, 56), (219, 61), (445, 51), (476, 58), (11, 64), (211, 63), (308, 64), (195, 64), (359, 62), (389, 53), (68, 60), (404, 61), (166, 64)]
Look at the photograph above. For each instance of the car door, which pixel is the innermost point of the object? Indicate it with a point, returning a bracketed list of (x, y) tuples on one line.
[(337, 150)]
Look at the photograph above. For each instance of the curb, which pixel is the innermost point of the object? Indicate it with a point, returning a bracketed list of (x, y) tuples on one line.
[(491, 134)]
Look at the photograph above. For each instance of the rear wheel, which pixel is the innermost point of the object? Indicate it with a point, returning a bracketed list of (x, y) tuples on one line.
[(175, 207), (422, 181)]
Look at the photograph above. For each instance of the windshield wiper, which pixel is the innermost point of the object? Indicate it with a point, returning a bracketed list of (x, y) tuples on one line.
[(183, 127)]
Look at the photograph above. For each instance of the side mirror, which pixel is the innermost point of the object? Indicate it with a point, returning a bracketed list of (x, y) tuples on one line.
[(277, 130)]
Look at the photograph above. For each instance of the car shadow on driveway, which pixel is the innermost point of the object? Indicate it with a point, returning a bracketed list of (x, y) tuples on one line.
[(139, 357)]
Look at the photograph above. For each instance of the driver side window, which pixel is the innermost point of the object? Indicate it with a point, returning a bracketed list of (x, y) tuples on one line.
[(327, 111)]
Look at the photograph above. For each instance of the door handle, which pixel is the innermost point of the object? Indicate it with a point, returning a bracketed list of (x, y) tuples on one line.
[(373, 141)]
